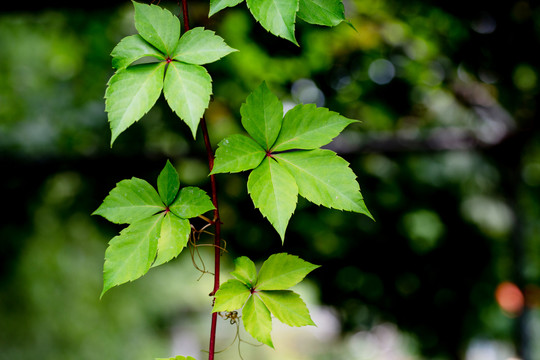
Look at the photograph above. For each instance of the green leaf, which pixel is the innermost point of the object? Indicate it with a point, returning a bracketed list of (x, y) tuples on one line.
[(187, 89), (130, 254), (262, 114), (200, 46), (177, 358), (191, 202), (218, 5), (130, 201), (237, 153), (322, 12), (158, 26), (282, 271), (324, 179), (232, 295), (168, 183), (276, 16), (245, 271), (257, 320), (274, 192), (309, 127), (131, 93), (132, 48), (287, 307), (173, 237)]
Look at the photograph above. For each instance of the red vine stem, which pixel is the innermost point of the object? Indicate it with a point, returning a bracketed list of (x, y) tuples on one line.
[(216, 221)]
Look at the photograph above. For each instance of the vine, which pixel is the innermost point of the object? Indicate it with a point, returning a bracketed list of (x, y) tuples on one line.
[(282, 151)]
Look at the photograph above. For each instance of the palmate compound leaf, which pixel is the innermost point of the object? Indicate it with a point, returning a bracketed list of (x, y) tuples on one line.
[(158, 26), (322, 12), (132, 48), (218, 5), (200, 46), (187, 89), (276, 16), (324, 179), (131, 93)]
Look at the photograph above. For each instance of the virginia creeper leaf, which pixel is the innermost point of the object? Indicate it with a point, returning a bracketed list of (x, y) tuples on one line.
[(262, 114), (131, 93), (274, 192), (324, 179), (309, 127), (276, 16), (245, 271), (130, 201), (187, 89), (287, 307), (257, 320), (132, 48), (130, 254), (232, 295), (168, 184), (218, 5), (173, 237), (191, 202), (322, 12), (200, 46), (237, 153), (158, 26), (282, 271)]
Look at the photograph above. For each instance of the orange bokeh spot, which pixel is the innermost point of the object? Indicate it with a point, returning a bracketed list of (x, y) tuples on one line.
[(509, 297)]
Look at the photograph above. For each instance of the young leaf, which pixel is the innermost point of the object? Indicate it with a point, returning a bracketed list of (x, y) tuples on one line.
[(130, 201), (237, 153), (276, 16), (187, 89), (132, 48), (158, 26), (262, 114), (173, 237), (232, 295), (245, 271), (287, 307), (282, 271), (191, 202), (130, 254), (322, 12), (131, 93), (274, 192), (200, 46), (168, 184), (218, 5), (257, 320), (309, 127), (324, 179)]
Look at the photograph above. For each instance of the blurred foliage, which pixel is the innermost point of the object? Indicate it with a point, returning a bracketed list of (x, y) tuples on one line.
[(447, 156)]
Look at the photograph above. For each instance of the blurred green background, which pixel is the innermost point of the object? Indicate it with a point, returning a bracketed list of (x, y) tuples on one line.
[(447, 154)]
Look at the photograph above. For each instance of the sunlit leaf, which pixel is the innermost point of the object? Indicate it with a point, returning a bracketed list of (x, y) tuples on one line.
[(130, 254), (158, 26), (262, 114), (287, 307), (322, 12), (245, 271), (324, 179), (173, 237), (131, 93), (232, 295), (309, 127), (257, 320), (200, 46), (168, 183), (276, 16), (218, 5), (130, 201), (237, 153), (274, 192), (282, 271), (191, 202), (132, 48), (187, 89)]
